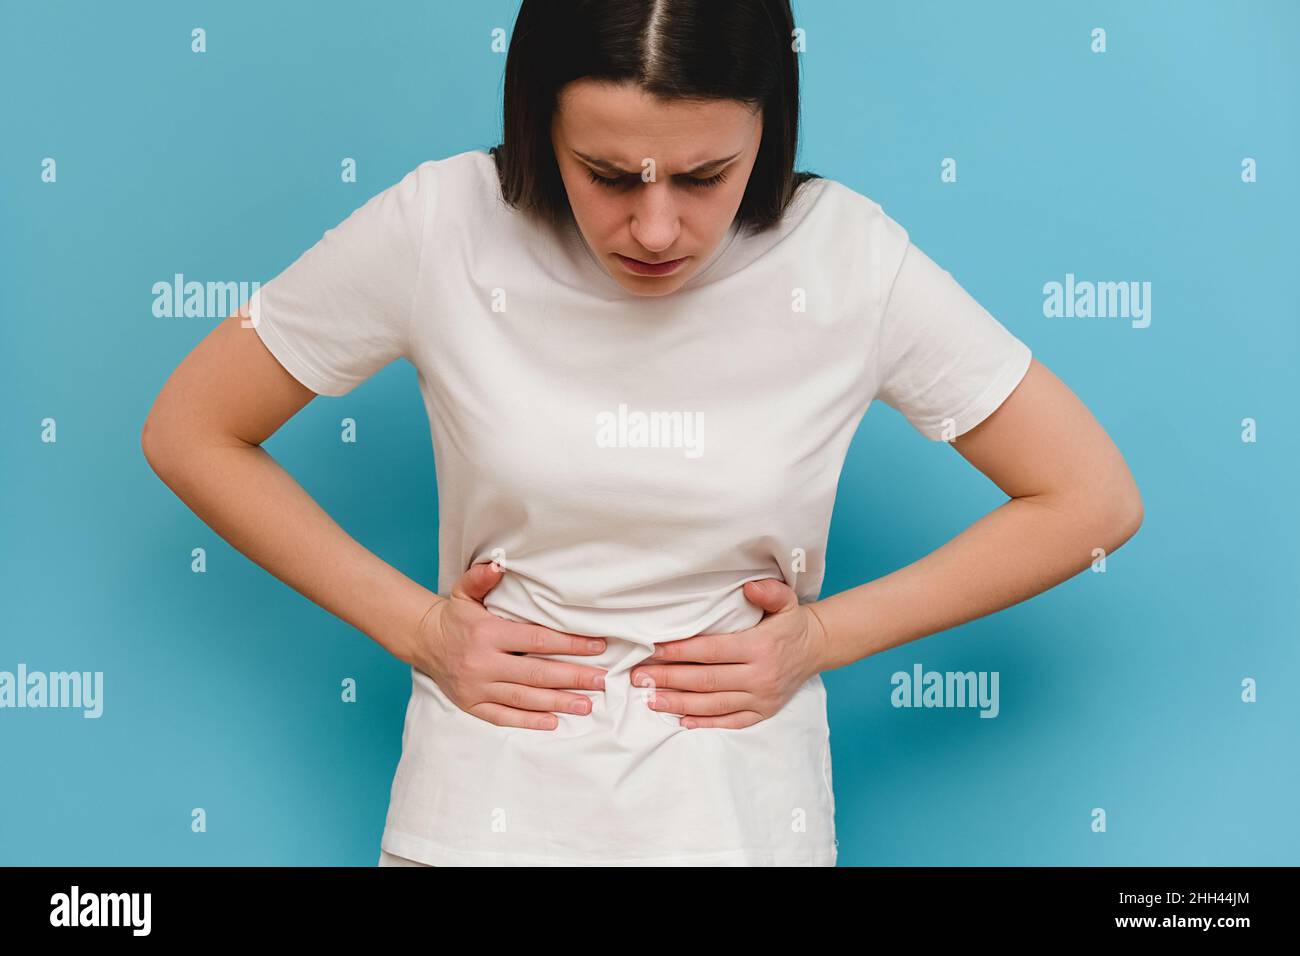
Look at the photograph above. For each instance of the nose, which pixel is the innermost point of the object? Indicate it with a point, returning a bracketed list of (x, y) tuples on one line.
[(654, 219)]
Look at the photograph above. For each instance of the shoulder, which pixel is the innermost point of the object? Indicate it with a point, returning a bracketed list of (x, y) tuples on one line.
[(849, 231), (459, 194), (854, 215), (460, 178)]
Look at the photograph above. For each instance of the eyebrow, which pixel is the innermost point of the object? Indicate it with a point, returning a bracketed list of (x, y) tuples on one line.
[(606, 166)]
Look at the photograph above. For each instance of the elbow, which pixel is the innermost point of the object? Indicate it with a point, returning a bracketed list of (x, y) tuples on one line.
[(152, 445), (148, 445), (1105, 514), (1125, 513), (1127, 526), (1137, 513)]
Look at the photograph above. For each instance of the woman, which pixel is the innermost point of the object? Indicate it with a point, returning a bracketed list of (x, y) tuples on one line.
[(644, 345)]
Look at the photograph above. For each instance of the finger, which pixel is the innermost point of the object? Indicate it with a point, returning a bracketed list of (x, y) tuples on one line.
[(523, 697), (738, 721), (536, 639), (706, 649), (702, 678), (539, 672), (477, 581), (770, 594), (503, 716), (704, 705)]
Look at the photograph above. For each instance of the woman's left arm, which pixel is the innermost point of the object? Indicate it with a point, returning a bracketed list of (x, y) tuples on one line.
[(1071, 493)]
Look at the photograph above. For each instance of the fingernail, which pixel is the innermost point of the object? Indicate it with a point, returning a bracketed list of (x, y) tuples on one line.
[(598, 682), (595, 645), (578, 707)]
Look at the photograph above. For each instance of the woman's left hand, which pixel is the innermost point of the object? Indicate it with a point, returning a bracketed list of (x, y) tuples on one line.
[(735, 680)]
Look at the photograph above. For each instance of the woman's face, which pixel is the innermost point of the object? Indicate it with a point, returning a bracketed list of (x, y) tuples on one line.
[(696, 158)]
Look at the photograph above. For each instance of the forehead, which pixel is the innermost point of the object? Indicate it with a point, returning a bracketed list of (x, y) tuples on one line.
[(622, 123)]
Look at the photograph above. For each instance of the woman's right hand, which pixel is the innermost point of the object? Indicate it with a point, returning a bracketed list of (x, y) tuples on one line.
[(481, 662)]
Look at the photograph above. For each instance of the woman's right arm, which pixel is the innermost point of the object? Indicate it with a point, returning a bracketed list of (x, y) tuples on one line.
[(203, 437)]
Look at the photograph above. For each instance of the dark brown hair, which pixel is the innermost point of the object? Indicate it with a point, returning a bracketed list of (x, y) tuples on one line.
[(676, 49)]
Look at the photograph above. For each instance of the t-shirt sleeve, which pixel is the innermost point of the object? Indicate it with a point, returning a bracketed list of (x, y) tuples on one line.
[(341, 311), (944, 362)]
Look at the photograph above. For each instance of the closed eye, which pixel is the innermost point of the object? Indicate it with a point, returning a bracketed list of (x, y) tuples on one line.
[(633, 178)]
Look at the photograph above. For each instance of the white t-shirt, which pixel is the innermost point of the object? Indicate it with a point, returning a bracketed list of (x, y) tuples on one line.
[(551, 394)]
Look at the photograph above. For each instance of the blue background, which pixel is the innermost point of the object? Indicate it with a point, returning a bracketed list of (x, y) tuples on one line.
[(1118, 690)]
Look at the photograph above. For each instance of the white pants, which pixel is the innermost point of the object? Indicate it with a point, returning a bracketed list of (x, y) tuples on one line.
[(390, 859)]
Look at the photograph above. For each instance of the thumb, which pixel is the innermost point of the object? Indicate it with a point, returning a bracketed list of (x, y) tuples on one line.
[(476, 582), (770, 594)]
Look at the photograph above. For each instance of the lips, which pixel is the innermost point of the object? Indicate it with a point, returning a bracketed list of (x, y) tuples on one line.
[(641, 267)]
